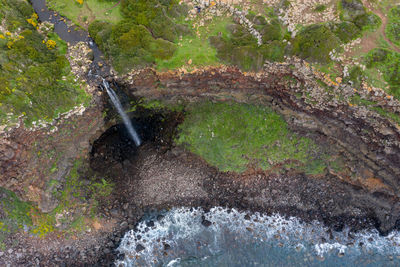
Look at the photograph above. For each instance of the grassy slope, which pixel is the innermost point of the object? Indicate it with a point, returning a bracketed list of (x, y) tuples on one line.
[(233, 137), (88, 11)]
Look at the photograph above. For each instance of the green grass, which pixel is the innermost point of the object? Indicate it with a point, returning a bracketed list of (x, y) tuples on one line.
[(89, 11), (388, 62), (234, 136), (393, 27), (197, 48)]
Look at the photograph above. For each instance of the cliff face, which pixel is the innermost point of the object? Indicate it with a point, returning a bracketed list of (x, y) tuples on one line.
[(33, 163), (367, 136)]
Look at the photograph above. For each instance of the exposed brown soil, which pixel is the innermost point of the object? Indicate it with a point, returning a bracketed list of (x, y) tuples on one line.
[(371, 40)]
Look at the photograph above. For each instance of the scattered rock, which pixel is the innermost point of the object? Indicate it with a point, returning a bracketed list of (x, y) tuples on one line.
[(140, 247)]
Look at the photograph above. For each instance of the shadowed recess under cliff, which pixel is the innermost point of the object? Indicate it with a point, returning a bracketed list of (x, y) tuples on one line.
[(117, 104), (115, 144)]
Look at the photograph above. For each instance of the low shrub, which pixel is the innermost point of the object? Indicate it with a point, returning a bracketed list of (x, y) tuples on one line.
[(355, 76), (314, 43), (129, 45), (320, 8), (272, 31), (346, 31), (274, 51), (350, 9), (368, 22), (145, 35), (393, 27)]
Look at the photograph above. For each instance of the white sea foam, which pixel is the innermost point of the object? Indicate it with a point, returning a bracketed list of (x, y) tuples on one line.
[(182, 230)]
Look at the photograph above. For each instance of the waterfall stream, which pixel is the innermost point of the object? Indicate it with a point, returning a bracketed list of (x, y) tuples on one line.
[(117, 104)]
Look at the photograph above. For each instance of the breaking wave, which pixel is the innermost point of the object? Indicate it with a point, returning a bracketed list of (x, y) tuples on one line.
[(227, 237)]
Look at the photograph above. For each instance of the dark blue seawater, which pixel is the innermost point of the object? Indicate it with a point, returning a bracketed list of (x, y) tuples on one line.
[(180, 239)]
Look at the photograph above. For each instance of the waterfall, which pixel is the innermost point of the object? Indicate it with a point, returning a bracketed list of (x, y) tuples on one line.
[(117, 104)]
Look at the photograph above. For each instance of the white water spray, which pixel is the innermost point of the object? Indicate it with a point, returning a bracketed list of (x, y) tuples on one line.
[(128, 124)]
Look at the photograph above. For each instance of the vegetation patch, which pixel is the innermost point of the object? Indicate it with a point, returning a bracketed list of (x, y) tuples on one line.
[(195, 50), (146, 33), (393, 26), (357, 100), (234, 136), (355, 12), (78, 200), (388, 62), (35, 77), (320, 8), (240, 48)]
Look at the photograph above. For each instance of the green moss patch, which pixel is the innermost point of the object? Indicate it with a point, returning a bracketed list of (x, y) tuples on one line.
[(234, 136)]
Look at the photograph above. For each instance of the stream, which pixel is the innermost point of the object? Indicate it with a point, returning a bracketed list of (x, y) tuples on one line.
[(70, 33)]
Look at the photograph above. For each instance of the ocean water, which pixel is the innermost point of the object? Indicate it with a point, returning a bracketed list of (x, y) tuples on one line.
[(178, 238)]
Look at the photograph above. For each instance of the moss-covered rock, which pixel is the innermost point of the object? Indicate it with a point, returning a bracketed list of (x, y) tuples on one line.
[(368, 22), (355, 77), (314, 43), (350, 9), (346, 31), (274, 51), (272, 31)]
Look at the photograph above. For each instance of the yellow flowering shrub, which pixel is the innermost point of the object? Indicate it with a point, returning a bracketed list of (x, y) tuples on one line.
[(51, 44), (79, 2), (33, 20)]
